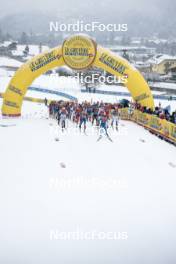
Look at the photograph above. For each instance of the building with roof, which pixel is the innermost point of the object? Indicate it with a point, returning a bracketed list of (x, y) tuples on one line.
[(162, 63)]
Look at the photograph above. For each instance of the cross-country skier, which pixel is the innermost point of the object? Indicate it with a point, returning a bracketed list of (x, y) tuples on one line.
[(83, 120), (103, 127), (63, 117), (95, 115), (115, 118)]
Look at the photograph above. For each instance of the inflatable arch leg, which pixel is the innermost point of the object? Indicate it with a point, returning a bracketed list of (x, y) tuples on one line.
[(26, 74), (120, 67)]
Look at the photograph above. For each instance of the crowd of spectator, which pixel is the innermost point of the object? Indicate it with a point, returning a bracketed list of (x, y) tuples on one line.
[(162, 113)]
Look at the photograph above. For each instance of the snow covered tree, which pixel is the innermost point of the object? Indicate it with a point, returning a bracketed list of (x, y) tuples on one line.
[(26, 50)]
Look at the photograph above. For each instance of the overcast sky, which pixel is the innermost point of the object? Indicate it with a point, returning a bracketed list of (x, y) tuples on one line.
[(56, 6)]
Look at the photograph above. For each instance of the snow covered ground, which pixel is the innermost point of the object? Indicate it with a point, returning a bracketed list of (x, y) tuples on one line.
[(33, 50), (79, 201), (61, 200), (9, 62), (163, 85)]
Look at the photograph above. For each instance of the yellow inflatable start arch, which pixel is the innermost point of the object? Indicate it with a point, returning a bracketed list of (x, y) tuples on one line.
[(78, 52)]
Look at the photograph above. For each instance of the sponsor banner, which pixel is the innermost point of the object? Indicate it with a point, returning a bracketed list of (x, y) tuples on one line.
[(11, 104), (43, 60), (142, 118), (153, 123), (79, 52), (15, 90), (172, 131), (113, 63), (124, 113), (141, 97), (35, 100)]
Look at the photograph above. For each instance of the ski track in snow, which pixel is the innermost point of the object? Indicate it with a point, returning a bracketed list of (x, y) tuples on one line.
[(78, 183)]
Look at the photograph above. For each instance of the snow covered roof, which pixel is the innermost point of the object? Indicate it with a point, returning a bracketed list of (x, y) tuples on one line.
[(141, 64), (136, 41), (159, 58), (33, 50), (163, 85), (158, 41), (120, 47), (6, 43), (8, 62)]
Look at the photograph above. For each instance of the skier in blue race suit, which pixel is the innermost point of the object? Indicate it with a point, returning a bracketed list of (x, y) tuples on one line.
[(83, 120), (104, 127)]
